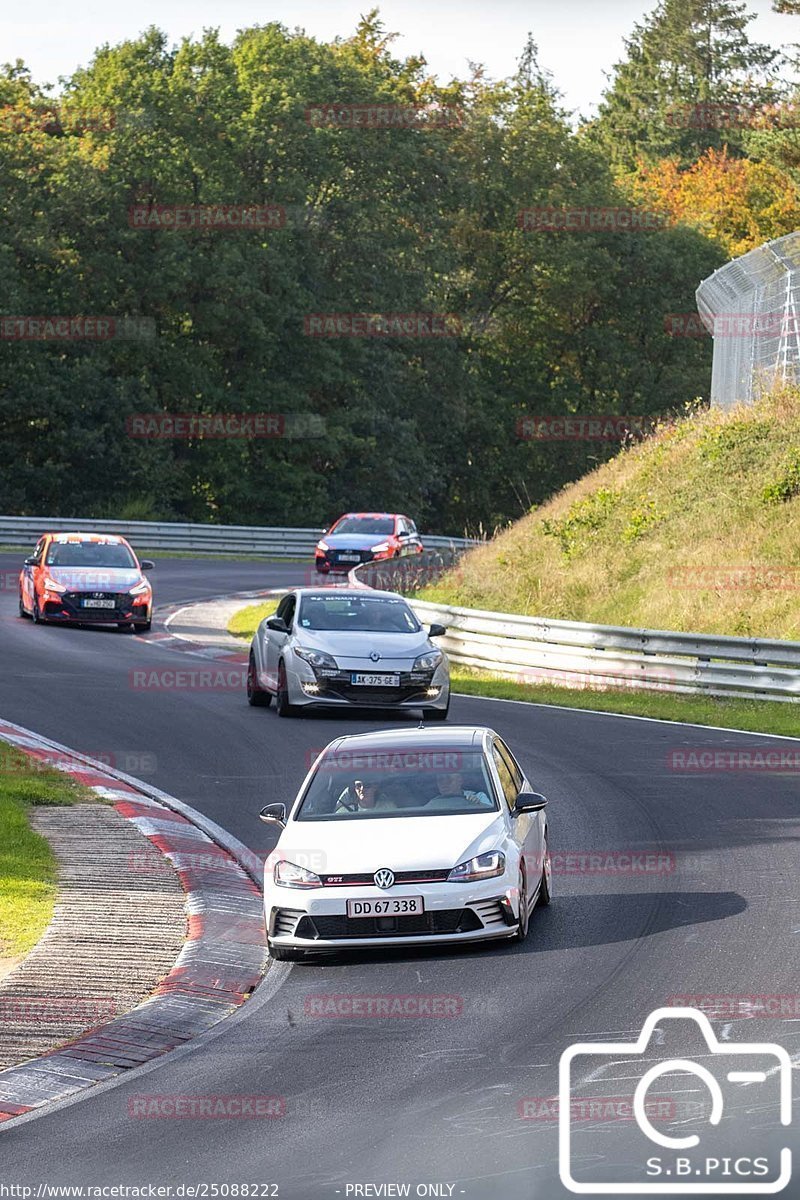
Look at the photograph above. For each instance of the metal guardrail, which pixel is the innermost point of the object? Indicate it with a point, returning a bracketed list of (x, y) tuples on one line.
[(579, 655), (204, 539)]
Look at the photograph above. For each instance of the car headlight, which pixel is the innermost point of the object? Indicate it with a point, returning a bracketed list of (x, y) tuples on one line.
[(287, 874), (482, 867), (317, 658), (140, 588), (429, 661), (323, 546), (50, 585), (381, 548)]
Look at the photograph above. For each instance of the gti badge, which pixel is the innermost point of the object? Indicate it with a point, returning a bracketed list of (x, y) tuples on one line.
[(384, 878)]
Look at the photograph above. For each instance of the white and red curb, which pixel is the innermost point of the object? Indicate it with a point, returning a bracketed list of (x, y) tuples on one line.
[(222, 962)]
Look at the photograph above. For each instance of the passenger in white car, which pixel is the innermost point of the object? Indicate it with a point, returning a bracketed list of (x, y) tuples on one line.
[(453, 795)]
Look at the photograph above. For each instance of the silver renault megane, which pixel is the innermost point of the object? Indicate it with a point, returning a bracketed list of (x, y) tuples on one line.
[(347, 647)]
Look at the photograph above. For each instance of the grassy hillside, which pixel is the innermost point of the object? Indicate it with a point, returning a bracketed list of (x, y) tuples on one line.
[(695, 529)]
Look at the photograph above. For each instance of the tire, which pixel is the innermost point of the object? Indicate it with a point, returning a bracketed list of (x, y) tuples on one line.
[(524, 915), (256, 696), (545, 893), (142, 626), (282, 705), (22, 611), (285, 953), (436, 714), (36, 615)]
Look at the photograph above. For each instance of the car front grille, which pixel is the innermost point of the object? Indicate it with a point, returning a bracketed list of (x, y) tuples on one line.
[(413, 685), (71, 603), (443, 921), (367, 877)]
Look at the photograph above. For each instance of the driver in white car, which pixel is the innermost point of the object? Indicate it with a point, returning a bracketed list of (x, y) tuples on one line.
[(452, 794), (362, 797)]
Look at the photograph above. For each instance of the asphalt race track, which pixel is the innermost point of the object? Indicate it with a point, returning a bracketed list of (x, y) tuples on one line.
[(420, 1100)]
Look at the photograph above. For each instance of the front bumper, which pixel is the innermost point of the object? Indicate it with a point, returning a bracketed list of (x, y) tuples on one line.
[(331, 560), (68, 608), (317, 919), (418, 689)]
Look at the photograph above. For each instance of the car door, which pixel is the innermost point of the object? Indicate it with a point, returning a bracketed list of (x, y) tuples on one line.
[(527, 829), (414, 542), (29, 574), (277, 641)]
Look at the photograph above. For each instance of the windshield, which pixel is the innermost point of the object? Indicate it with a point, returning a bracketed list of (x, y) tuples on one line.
[(364, 525), (90, 554), (362, 614), (411, 782)]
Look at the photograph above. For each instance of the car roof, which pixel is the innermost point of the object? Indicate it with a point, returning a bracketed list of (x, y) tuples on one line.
[(367, 514), (389, 739), (105, 538), (362, 593)]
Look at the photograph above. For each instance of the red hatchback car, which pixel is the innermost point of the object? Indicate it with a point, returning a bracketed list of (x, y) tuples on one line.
[(363, 537), (86, 579)]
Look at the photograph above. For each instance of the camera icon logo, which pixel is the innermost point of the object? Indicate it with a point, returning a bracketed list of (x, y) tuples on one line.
[(675, 1170)]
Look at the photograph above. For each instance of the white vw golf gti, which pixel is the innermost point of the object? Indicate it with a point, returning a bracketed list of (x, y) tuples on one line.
[(345, 647), (407, 836)]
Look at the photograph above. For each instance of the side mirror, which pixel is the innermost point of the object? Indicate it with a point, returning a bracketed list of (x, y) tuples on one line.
[(530, 802), (31, 562), (273, 814), (403, 533), (147, 565), (277, 624), (437, 630), (325, 530)]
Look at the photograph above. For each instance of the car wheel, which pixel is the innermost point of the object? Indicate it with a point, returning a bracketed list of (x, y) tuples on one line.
[(22, 610), (256, 696), (285, 953), (524, 915), (142, 626), (36, 615), (436, 714), (284, 708), (546, 888)]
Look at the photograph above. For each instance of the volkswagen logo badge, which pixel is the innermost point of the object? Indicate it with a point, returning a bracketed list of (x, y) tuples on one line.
[(384, 878), (374, 656)]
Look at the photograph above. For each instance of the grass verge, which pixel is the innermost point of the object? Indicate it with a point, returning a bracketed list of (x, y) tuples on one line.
[(27, 864), (757, 716), (246, 621)]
